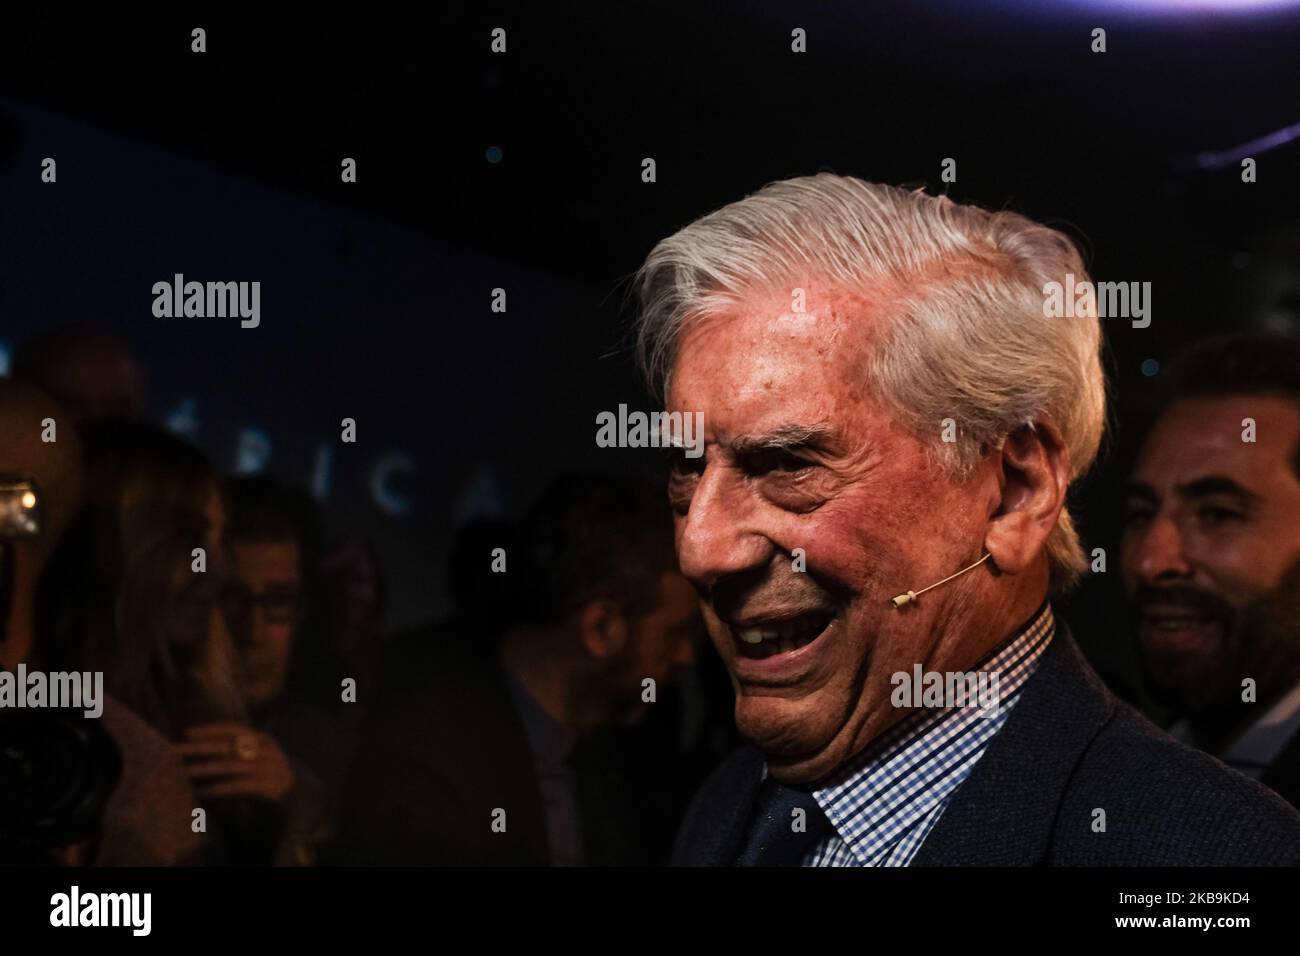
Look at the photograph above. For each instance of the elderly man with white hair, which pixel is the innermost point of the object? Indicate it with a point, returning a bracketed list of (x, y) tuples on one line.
[(891, 428)]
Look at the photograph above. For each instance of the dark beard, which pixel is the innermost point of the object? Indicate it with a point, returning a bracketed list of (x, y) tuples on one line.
[(1261, 640)]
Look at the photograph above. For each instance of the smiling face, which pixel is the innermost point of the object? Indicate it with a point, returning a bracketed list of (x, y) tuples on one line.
[(799, 454), (1211, 551)]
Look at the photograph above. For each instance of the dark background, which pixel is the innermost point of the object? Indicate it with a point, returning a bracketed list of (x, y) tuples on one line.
[(375, 295)]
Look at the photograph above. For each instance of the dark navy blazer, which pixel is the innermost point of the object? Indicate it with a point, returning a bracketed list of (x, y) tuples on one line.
[(1069, 747)]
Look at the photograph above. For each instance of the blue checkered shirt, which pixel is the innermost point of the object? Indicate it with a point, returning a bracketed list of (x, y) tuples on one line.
[(884, 802)]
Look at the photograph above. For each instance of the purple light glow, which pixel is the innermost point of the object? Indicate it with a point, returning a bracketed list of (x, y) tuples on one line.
[(1182, 6)]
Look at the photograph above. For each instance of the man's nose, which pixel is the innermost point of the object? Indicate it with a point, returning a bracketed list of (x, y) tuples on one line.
[(1161, 551), (715, 538)]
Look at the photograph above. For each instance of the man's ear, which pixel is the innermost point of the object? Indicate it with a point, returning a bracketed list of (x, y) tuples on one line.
[(1033, 468), (602, 628)]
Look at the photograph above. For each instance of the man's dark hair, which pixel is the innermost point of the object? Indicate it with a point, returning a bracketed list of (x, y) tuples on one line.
[(592, 537), (263, 509), (1250, 363)]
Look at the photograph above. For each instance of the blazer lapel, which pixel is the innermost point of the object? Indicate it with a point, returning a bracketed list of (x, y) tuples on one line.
[(1004, 813), (714, 828)]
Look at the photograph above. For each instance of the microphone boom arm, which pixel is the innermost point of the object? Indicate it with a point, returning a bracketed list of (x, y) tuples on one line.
[(909, 597)]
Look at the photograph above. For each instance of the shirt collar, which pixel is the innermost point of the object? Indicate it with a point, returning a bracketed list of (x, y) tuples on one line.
[(899, 779), (549, 740), (1255, 750), (1260, 745)]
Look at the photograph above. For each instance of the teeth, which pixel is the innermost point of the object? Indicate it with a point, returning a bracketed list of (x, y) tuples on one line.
[(1173, 624), (786, 633)]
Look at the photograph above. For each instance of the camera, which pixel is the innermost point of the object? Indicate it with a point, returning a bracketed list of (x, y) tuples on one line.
[(58, 768)]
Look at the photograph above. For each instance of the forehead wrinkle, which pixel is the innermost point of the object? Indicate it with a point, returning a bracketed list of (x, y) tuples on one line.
[(832, 339)]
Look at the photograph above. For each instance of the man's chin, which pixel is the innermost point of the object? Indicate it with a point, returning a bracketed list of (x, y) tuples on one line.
[(799, 744), (1194, 695)]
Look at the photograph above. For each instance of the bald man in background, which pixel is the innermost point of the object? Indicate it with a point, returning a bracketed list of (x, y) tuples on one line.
[(146, 821)]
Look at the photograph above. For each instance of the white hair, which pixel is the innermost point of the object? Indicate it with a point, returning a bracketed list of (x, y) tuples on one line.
[(968, 339)]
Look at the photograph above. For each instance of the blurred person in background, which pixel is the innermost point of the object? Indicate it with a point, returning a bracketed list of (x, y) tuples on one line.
[(536, 743), (273, 589), (145, 818), (89, 371), (151, 622), (349, 625), (1211, 554)]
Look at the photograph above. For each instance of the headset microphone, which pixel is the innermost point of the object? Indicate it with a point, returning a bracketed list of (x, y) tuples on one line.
[(910, 597)]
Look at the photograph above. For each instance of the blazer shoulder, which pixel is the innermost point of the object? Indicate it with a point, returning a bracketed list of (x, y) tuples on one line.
[(713, 825), (1163, 803)]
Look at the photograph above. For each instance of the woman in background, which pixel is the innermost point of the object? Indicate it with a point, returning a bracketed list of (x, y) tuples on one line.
[(128, 593)]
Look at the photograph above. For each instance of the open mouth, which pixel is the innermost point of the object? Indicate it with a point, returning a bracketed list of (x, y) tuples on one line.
[(1167, 618), (769, 638), (1179, 624), (1176, 623)]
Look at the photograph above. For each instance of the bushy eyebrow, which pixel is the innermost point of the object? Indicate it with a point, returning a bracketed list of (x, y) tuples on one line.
[(783, 438), (1199, 488), (1216, 485)]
